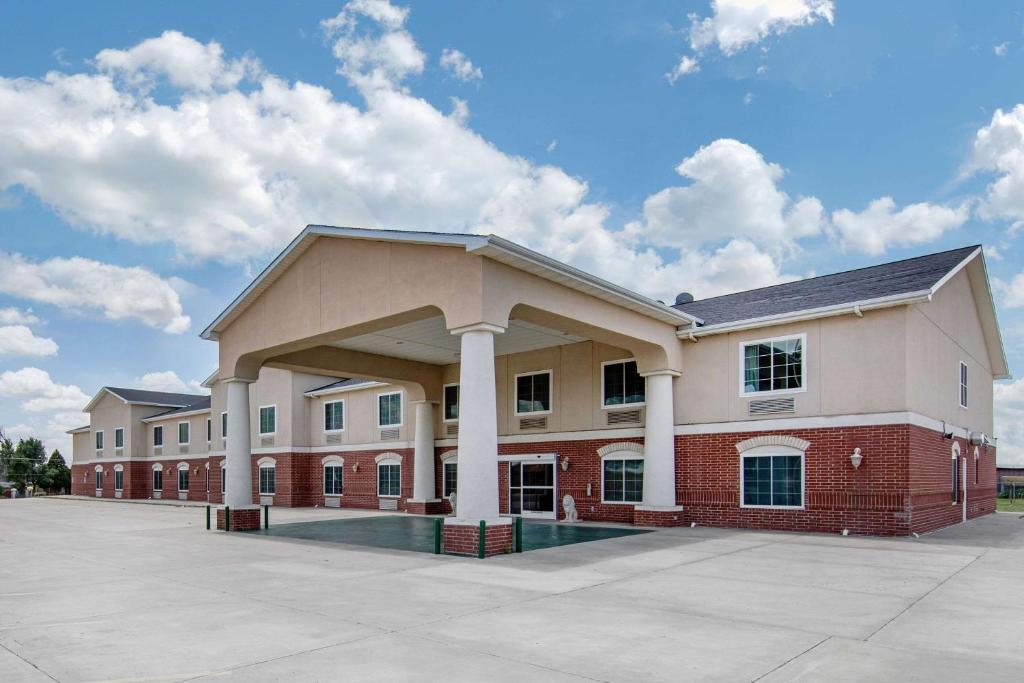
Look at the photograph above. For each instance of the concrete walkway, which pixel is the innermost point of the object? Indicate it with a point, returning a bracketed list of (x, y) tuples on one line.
[(100, 592)]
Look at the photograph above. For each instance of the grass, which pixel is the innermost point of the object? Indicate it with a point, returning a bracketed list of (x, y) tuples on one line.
[(1007, 505)]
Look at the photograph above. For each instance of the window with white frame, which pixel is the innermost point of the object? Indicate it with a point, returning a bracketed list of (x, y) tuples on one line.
[(622, 478), (99, 479), (451, 403), (533, 393), (977, 464), (209, 430), (334, 474), (268, 420), (158, 480), (389, 479), (955, 478), (773, 365), (118, 479), (183, 433), (963, 384), (99, 439), (450, 477), (158, 436), (183, 478), (772, 480), (223, 479), (268, 479), (119, 437), (389, 409), (223, 425), (334, 416), (621, 384), (207, 477)]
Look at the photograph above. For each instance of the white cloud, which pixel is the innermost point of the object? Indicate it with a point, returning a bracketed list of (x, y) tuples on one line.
[(1000, 49), (748, 98), (881, 225), (41, 393), (733, 193), (83, 284), (687, 65), (16, 316), (460, 66), (380, 56), (999, 149), (52, 431), (737, 24), (1012, 292), (18, 340), (552, 146), (167, 380), (1009, 421), (993, 253)]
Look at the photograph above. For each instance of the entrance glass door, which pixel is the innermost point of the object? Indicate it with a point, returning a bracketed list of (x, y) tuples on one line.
[(532, 489)]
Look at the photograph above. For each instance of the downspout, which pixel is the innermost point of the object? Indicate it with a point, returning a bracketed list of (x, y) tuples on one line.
[(964, 468)]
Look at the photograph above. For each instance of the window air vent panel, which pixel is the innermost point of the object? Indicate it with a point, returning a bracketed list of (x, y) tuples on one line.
[(332, 502), (622, 417), (158, 450), (266, 441), (389, 434), (451, 430), (771, 406), (183, 449), (388, 503), (334, 438), (533, 423)]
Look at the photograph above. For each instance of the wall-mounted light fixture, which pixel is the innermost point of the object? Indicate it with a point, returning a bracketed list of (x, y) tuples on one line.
[(565, 464), (355, 467), (856, 458)]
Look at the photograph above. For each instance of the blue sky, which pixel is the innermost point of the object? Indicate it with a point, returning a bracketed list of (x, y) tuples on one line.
[(155, 156)]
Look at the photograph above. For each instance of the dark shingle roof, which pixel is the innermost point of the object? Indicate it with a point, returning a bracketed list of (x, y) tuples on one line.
[(889, 279), (159, 398), (203, 403)]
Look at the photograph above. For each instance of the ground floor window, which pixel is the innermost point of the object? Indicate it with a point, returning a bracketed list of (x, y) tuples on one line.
[(773, 480), (99, 479), (333, 480), (955, 489), (268, 480), (622, 480), (389, 479), (223, 479), (183, 479), (451, 478), (158, 480), (118, 480)]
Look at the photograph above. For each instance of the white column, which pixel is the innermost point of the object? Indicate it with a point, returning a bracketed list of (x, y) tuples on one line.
[(423, 458), (238, 491), (477, 497), (659, 443)]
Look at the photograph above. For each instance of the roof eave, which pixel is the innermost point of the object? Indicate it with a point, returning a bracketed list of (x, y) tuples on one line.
[(342, 390), (165, 416)]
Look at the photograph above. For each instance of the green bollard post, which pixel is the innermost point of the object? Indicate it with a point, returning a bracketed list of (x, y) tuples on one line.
[(227, 518), (437, 536), (266, 516), (519, 534), (483, 539), (207, 517)]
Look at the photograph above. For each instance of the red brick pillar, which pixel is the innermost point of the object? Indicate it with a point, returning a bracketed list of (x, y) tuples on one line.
[(464, 539), (244, 518)]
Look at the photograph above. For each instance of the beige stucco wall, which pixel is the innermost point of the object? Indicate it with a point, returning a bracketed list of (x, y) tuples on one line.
[(108, 414), (197, 436), (360, 416), (81, 447)]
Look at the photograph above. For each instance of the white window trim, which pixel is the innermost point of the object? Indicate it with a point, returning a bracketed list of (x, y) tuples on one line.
[(551, 391), (182, 467), (223, 479), (963, 387), (209, 430), (223, 425), (332, 461), (768, 451), (639, 404), (401, 409), (119, 468), (444, 405), (121, 447), (266, 464), (618, 455), (155, 444), (99, 447), (189, 442), (444, 473), (774, 392), (389, 459), (344, 416), (259, 420)]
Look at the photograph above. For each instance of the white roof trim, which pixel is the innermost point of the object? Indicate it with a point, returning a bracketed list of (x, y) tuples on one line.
[(80, 430), (343, 390), (491, 246), (99, 395), (189, 413)]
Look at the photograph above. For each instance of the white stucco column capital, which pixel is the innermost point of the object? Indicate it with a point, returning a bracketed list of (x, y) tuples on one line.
[(478, 327), (243, 380), (423, 400), (659, 373)]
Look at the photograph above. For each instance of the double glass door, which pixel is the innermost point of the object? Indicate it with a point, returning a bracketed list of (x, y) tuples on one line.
[(532, 489)]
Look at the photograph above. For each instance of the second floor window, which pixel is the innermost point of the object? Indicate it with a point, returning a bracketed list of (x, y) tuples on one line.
[(183, 433), (223, 425), (99, 441), (963, 385), (533, 393), (622, 384), (158, 436), (389, 409), (451, 402), (119, 437), (209, 430), (334, 416), (268, 419), (773, 365)]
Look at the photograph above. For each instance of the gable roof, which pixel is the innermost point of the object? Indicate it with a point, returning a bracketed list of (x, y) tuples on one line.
[(491, 246), (910, 277), (149, 398), (200, 406)]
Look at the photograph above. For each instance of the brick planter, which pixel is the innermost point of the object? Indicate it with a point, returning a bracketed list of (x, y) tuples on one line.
[(424, 507), (660, 517), (464, 539), (242, 519)]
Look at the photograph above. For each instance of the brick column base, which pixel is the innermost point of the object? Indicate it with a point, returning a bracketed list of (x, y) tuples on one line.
[(433, 506), (658, 516), (242, 519), (464, 539)]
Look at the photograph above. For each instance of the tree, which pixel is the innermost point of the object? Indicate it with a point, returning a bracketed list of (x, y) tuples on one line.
[(55, 475), (28, 456), (6, 455)]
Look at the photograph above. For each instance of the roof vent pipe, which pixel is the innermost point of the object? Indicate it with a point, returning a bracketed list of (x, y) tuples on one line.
[(684, 298)]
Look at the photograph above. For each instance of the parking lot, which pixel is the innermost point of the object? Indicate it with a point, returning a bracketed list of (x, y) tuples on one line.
[(101, 591)]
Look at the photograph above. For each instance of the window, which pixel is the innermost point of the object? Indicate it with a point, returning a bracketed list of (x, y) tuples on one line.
[(158, 436), (99, 479), (183, 479), (963, 385), (209, 430), (118, 480), (389, 479), (99, 440), (622, 480), (207, 477), (773, 481), (450, 474), (268, 420), (183, 433), (223, 479), (621, 384), (333, 474), (773, 365), (533, 393), (977, 463), (158, 480), (119, 437), (451, 403), (955, 478), (334, 416), (389, 409), (268, 480), (223, 425)]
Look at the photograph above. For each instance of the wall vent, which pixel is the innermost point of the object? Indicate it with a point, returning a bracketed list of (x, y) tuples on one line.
[(771, 406), (183, 449), (333, 438), (158, 450), (451, 430), (118, 451), (99, 454), (622, 417), (388, 503), (332, 502), (389, 434), (266, 441), (533, 423)]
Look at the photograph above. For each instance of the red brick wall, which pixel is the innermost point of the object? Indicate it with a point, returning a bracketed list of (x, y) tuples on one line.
[(931, 481), (465, 539)]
